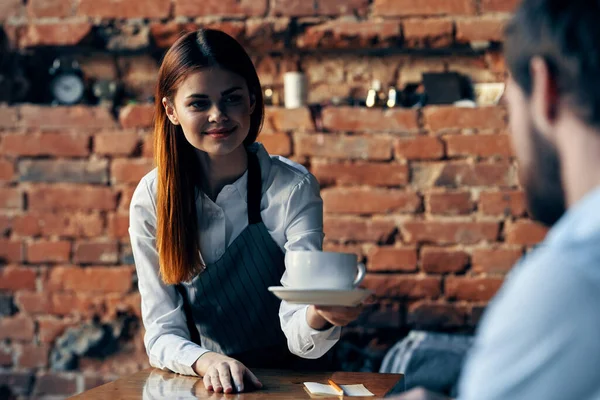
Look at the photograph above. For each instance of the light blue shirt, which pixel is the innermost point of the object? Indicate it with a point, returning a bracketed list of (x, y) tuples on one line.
[(540, 338)]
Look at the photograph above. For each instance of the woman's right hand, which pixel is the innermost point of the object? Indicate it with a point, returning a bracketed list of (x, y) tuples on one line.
[(224, 374)]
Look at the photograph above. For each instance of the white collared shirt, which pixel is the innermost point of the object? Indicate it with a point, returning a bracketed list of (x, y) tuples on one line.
[(292, 211)]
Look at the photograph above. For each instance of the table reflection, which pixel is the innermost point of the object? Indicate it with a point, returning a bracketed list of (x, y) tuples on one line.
[(167, 385)]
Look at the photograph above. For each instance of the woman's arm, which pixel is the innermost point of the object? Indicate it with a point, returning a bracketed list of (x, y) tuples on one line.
[(304, 231), (167, 337)]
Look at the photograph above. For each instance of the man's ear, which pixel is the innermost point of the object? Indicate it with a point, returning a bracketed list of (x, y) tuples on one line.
[(544, 95), (170, 111)]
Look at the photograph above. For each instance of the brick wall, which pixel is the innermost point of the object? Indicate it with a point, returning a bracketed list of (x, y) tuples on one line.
[(429, 198)]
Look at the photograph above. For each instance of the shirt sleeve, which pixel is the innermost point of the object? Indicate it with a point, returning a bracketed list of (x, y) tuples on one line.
[(539, 338), (167, 338), (304, 231)]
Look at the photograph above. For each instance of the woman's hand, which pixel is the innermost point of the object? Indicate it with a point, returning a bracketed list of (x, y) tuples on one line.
[(224, 374), (320, 317)]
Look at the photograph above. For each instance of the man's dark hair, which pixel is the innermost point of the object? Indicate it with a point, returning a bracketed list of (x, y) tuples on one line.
[(566, 34)]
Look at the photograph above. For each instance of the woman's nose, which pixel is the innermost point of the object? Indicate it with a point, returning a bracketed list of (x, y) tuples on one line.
[(217, 115)]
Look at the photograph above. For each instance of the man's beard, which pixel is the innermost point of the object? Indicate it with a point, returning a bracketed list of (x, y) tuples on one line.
[(543, 183)]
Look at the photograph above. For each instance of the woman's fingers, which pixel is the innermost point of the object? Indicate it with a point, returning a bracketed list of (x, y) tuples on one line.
[(225, 377), (207, 382), (237, 374)]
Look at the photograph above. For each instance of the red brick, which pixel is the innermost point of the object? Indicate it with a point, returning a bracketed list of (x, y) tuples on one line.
[(440, 261), (50, 8), (70, 117), (84, 305), (7, 170), (10, 8), (96, 252), (358, 229), (496, 260), (117, 143), (71, 197), (344, 147), (506, 203), (277, 143), (450, 232), (524, 232), (478, 145), (279, 119), (59, 224), (45, 144), (463, 174), (137, 116), (33, 302), (472, 289), (130, 170), (20, 383), (350, 34), (266, 35), (118, 225), (8, 115), (458, 203), (54, 384), (33, 356), (222, 8), (6, 224), (402, 259), (64, 33), (477, 69), (403, 286), (499, 5), (6, 357), (426, 315), (17, 278), (419, 148), (353, 119), (73, 171), (344, 248), (51, 327), (298, 8), (148, 146), (369, 201), (125, 195), (91, 279), (48, 251), (124, 9), (10, 251), (439, 118), (424, 7), (428, 32), (360, 173), (10, 198), (18, 327), (117, 303), (481, 29)]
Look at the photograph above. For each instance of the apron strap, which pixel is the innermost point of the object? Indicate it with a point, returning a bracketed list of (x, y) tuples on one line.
[(254, 189), (189, 319)]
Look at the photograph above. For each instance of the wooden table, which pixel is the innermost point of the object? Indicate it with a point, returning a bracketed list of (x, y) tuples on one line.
[(278, 384)]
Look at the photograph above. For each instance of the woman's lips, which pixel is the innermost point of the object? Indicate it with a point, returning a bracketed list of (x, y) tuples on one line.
[(220, 132)]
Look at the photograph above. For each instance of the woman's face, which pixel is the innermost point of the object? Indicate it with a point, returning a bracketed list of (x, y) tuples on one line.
[(213, 107)]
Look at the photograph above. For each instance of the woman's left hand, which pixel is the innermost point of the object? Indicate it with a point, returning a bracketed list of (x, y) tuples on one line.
[(318, 317)]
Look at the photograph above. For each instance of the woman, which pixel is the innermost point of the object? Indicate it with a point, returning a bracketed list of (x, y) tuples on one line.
[(209, 226)]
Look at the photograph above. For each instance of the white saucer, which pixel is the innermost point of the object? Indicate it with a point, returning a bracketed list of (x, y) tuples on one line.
[(322, 297)]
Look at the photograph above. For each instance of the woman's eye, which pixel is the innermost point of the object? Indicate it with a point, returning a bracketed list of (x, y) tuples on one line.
[(200, 105), (234, 98)]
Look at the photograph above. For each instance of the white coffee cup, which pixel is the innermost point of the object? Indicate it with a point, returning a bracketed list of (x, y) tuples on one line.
[(323, 270)]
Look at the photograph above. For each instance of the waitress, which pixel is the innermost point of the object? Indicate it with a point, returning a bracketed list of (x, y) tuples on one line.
[(210, 224)]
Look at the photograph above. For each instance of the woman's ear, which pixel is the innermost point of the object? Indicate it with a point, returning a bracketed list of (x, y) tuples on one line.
[(170, 111)]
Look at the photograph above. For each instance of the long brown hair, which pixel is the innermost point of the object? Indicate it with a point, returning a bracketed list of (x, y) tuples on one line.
[(177, 237)]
